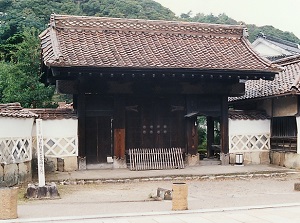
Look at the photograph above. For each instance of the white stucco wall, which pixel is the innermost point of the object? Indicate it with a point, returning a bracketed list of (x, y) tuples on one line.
[(298, 134), (15, 127), (58, 128), (248, 127)]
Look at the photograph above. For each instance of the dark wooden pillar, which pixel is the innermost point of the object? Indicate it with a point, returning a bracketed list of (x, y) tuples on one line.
[(192, 136), (81, 124), (224, 126), (210, 135), (119, 127)]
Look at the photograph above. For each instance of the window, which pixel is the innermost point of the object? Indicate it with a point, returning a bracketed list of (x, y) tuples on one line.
[(284, 127)]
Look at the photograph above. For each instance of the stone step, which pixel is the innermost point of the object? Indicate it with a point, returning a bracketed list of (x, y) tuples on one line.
[(209, 162)]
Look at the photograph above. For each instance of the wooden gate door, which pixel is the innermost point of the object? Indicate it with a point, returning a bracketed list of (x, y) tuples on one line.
[(98, 139), (156, 123)]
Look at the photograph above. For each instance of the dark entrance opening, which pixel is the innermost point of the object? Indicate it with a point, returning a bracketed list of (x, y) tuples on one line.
[(99, 139)]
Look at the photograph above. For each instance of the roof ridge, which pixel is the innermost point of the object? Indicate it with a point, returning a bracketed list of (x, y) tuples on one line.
[(288, 60), (108, 23)]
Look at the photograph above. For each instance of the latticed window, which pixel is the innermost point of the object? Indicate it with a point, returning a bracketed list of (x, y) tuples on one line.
[(284, 134), (284, 127)]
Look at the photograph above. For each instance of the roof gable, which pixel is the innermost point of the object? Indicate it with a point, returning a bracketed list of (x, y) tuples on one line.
[(285, 82), (97, 42)]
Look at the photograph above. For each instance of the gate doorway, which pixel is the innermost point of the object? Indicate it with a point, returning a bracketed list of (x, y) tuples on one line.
[(99, 139)]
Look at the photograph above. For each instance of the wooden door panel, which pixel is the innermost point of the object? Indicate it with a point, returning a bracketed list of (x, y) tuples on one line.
[(98, 139)]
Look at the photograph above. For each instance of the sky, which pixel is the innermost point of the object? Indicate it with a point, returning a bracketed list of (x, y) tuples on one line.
[(282, 14)]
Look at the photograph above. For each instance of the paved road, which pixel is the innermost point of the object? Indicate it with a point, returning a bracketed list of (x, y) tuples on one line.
[(284, 213)]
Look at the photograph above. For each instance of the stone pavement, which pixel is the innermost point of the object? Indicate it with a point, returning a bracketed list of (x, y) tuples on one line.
[(188, 173)]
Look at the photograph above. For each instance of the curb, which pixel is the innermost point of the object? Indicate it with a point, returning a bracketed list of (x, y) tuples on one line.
[(241, 176)]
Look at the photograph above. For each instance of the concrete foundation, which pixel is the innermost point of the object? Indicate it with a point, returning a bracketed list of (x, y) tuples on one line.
[(67, 164), (49, 191), (224, 158), (256, 157), (119, 163), (289, 160), (15, 173), (192, 160)]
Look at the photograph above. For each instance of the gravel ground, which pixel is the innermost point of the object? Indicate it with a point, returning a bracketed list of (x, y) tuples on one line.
[(136, 197)]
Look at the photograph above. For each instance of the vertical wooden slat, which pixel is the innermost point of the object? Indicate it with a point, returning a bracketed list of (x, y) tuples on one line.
[(155, 158)]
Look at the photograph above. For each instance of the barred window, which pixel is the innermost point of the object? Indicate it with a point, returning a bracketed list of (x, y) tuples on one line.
[(284, 126)]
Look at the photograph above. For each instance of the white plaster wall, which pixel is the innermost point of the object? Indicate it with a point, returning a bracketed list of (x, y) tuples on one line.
[(248, 127), (298, 134), (58, 128), (15, 127), (285, 106)]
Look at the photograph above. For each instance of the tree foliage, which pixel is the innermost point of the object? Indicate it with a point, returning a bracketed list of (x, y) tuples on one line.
[(22, 20), (253, 29)]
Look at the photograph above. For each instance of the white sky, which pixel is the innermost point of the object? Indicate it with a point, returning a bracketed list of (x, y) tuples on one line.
[(282, 14)]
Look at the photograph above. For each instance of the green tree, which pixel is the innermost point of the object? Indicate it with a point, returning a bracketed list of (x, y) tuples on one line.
[(19, 77)]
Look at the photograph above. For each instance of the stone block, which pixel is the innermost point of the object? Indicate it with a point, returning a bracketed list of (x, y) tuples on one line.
[(81, 163), (50, 164), (265, 157), (297, 186), (232, 158), (247, 158), (25, 174), (70, 163), (1, 175), (179, 197), (164, 194), (119, 163), (292, 160), (48, 191), (8, 203), (224, 158), (11, 174), (255, 157), (193, 160), (275, 158)]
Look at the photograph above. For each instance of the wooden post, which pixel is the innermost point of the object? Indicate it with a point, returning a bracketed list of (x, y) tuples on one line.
[(192, 136), (81, 125), (224, 126), (119, 127), (210, 135)]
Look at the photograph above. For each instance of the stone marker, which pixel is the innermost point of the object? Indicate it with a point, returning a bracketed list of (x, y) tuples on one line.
[(179, 195), (8, 202)]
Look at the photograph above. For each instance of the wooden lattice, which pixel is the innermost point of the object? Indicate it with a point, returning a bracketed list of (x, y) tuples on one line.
[(15, 150), (244, 143), (58, 147), (155, 159)]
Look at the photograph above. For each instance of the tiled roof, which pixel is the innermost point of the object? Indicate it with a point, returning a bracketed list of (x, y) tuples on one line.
[(14, 110), (58, 113), (286, 82), (98, 42), (284, 44), (247, 115)]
